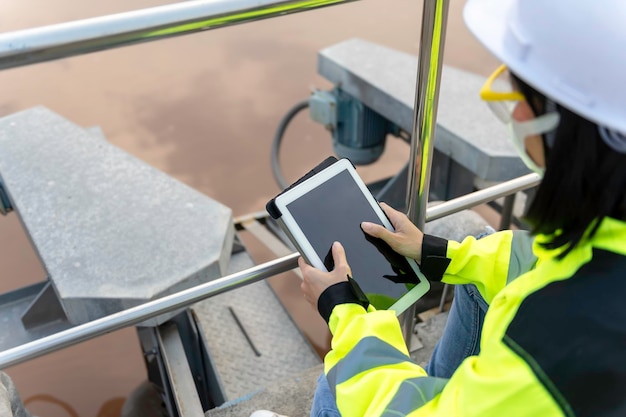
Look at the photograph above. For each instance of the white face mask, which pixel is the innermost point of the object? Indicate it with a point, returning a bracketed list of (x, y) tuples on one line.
[(521, 130)]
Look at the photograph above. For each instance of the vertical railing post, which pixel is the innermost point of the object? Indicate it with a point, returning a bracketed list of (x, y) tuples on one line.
[(434, 19)]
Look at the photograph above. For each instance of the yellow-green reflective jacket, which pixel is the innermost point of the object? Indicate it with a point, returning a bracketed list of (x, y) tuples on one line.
[(553, 341)]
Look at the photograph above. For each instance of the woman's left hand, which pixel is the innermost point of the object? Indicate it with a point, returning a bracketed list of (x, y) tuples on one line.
[(316, 281)]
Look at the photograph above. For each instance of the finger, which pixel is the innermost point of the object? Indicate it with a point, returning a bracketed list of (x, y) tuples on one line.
[(339, 256), (396, 217), (375, 230), (303, 265), (389, 211)]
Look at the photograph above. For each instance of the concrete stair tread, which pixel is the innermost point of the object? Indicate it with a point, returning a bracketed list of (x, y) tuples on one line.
[(112, 232), (384, 80)]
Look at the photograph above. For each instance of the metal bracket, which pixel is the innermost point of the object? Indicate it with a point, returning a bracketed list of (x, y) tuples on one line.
[(44, 309), (5, 203)]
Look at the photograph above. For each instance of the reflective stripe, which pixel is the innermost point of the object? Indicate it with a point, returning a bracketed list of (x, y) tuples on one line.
[(369, 353), (522, 258), (413, 394)]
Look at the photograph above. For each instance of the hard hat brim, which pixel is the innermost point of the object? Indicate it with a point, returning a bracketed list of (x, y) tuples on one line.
[(577, 65), (487, 20)]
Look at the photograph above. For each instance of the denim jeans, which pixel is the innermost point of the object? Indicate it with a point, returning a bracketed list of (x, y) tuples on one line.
[(460, 339)]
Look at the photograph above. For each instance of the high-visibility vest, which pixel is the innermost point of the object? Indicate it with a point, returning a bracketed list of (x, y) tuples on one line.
[(553, 341)]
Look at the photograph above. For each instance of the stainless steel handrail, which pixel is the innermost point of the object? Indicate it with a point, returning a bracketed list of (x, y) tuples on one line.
[(143, 312), (47, 43), (434, 22), (187, 297), (482, 196)]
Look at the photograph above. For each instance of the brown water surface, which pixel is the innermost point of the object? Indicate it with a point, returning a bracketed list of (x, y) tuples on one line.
[(202, 108)]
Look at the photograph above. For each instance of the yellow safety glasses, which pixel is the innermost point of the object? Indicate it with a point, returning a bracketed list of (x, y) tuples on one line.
[(501, 103), (488, 94)]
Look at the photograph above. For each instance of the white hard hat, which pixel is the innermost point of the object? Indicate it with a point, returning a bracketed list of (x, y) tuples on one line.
[(573, 51)]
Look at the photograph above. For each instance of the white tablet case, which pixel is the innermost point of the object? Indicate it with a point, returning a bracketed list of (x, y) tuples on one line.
[(278, 209)]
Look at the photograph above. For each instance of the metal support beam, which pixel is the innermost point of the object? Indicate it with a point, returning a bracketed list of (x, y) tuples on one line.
[(63, 40), (434, 20), (507, 211), (181, 379)]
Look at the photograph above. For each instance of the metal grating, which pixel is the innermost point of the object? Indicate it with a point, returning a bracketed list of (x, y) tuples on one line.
[(283, 349)]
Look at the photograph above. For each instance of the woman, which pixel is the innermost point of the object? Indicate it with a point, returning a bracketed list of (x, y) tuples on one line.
[(553, 342)]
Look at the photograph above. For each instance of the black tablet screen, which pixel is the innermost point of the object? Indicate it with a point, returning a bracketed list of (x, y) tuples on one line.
[(333, 211)]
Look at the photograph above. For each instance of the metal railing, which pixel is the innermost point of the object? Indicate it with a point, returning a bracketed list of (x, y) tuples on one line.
[(30, 46), (80, 37), (144, 312), (190, 296), (485, 195)]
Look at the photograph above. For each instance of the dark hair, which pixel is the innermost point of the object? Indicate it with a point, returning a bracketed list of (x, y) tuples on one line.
[(584, 181)]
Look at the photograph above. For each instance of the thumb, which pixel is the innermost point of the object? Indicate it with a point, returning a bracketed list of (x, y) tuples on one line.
[(339, 255)]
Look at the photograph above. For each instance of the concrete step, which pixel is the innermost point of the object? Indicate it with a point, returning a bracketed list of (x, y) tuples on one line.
[(111, 231), (384, 80)]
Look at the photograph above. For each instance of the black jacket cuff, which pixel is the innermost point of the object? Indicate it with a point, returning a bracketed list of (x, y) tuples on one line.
[(434, 261), (339, 293)]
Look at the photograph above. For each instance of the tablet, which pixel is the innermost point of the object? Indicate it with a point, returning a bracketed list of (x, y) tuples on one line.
[(328, 205)]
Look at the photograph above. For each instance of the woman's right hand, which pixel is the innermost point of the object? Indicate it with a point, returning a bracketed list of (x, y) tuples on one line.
[(406, 240)]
